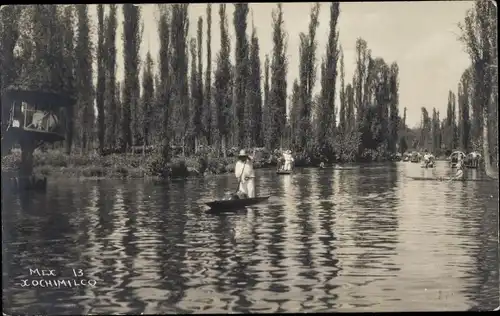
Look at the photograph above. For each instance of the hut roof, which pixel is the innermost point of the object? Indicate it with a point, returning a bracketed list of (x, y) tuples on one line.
[(42, 82)]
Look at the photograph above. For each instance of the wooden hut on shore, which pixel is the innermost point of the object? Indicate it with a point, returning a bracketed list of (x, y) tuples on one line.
[(34, 111)]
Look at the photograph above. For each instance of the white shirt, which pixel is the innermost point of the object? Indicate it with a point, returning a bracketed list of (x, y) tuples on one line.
[(244, 170), (288, 157)]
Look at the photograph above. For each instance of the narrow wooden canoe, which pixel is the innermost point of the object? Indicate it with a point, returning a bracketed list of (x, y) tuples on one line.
[(236, 204), (284, 172), (445, 179), (429, 166)]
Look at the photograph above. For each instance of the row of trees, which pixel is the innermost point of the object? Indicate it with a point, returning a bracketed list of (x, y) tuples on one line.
[(471, 122), (461, 129), (480, 36), (186, 103)]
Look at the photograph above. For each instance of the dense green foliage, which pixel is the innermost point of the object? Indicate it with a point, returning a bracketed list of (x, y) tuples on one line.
[(131, 46), (100, 90), (276, 103), (326, 114), (240, 116), (111, 117), (188, 108), (207, 93), (221, 117)]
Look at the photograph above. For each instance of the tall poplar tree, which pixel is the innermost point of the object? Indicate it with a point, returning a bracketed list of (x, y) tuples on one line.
[(131, 43), (307, 77), (463, 101), (195, 110), (266, 113), (278, 88), (164, 98), (253, 102), (240, 122), (343, 105), (83, 75), (207, 101), (68, 22), (393, 107), (328, 113), (179, 66), (112, 127), (101, 88), (147, 99), (200, 131), (221, 116)]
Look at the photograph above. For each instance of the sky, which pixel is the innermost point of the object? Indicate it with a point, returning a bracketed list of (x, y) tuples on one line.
[(422, 37)]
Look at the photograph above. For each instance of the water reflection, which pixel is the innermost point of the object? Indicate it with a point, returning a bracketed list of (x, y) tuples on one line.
[(367, 239)]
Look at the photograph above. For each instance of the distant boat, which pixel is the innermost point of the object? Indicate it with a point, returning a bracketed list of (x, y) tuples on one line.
[(447, 179), (284, 172), (472, 160), (415, 157)]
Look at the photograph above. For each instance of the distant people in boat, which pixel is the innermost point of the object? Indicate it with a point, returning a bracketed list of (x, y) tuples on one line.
[(245, 174), (426, 159), (455, 156), (287, 156), (281, 162), (474, 159), (460, 169)]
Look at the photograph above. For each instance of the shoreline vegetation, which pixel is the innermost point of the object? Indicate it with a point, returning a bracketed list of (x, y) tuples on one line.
[(55, 162), (138, 165), (129, 165)]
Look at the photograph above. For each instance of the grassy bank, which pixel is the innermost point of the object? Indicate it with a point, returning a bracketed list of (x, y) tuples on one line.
[(57, 163)]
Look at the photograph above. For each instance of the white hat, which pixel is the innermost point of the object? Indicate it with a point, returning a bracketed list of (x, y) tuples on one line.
[(243, 153)]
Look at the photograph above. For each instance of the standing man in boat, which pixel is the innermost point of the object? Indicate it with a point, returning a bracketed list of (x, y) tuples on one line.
[(428, 159), (460, 169), (281, 161), (244, 172), (431, 160), (288, 160)]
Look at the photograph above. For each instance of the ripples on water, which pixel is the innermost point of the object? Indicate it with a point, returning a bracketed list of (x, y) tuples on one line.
[(368, 239)]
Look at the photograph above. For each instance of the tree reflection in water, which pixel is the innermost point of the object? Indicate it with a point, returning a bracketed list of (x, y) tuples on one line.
[(366, 239)]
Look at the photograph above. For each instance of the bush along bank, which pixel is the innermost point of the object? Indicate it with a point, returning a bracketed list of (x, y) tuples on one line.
[(57, 163), (152, 164)]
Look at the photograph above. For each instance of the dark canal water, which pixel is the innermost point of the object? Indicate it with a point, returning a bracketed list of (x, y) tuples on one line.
[(368, 239)]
